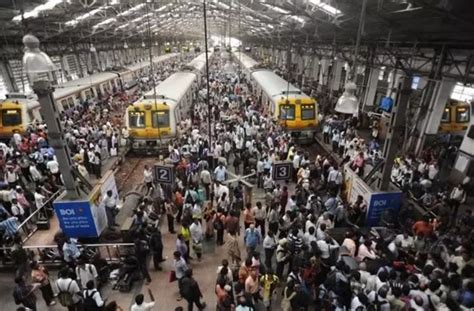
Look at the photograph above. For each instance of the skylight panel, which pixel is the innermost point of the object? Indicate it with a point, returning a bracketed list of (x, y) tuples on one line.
[(297, 18), (85, 16), (104, 23), (163, 7), (326, 8), (49, 5), (277, 9), (132, 10)]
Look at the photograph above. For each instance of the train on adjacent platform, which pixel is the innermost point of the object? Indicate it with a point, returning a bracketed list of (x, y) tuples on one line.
[(296, 112), (154, 119), (18, 111), (456, 118)]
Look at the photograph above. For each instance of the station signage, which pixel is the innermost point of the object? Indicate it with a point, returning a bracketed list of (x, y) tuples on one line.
[(75, 219)]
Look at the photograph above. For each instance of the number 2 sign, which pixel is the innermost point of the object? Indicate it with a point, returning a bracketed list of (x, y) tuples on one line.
[(164, 174), (282, 170)]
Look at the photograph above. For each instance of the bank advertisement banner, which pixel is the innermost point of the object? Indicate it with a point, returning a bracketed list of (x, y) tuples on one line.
[(381, 203), (75, 219)]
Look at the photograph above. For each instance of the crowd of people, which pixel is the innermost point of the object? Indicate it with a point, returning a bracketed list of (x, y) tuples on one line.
[(284, 250)]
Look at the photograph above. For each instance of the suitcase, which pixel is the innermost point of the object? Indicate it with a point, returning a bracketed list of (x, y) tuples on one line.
[(125, 284), (43, 222)]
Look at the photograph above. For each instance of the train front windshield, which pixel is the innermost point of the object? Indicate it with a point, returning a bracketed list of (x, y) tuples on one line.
[(136, 119), (287, 112), (11, 117), (307, 112), (161, 118)]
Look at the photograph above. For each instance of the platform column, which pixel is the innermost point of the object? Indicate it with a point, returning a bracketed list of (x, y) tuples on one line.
[(336, 77), (371, 89), (402, 91), (440, 96), (323, 73)]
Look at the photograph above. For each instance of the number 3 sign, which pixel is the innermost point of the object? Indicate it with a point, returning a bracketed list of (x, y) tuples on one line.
[(282, 170), (164, 174)]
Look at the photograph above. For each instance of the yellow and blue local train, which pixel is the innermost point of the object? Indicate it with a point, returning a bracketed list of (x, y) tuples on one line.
[(153, 120), (18, 111), (456, 118), (296, 112)]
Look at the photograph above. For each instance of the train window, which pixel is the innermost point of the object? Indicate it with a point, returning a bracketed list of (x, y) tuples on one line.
[(11, 117), (287, 112), (308, 112), (88, 94), (161, 118), (136, 119), (462, 115), (70, 101), (64, 104), (446, 117)]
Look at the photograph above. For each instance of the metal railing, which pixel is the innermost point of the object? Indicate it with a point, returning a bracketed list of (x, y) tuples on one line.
[(29, 226), (50, 255)]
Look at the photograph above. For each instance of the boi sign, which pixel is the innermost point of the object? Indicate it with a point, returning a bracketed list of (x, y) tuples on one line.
[(75, 219), (380, 203)]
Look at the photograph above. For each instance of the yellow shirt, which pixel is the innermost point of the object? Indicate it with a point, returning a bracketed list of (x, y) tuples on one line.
[(185, 233), (267, 281)]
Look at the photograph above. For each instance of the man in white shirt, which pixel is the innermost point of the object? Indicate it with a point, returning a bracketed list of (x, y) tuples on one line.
[(141, 305), (110, 204), (66, 284), (85, 272), (220, 173), (206, 180), (39, 198), (405, 241), (259, 212)]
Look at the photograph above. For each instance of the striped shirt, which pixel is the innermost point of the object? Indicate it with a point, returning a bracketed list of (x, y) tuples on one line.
[(10, 225)]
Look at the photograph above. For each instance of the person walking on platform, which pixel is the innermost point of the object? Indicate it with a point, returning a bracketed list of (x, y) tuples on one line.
[(40, 275), (141, 251), (156, 247), (24, 294)]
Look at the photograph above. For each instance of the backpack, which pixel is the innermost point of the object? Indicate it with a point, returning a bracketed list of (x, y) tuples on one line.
[(16, 297), (218, 225), (89, 302), (65, 297), (378, 303)]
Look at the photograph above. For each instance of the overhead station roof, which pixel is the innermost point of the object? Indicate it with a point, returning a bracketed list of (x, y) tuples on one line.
[(266, 22)]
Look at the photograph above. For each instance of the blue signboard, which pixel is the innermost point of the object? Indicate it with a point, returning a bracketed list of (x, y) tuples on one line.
[(75, 219), (381, 203)]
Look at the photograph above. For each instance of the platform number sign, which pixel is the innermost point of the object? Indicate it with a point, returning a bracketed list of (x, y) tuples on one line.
[(282, 170), (164, 174)]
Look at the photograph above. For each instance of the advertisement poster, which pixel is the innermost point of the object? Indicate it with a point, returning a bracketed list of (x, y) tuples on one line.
[(96, 197), (76, 219), (381, 203), (355, 186), (98, 210)]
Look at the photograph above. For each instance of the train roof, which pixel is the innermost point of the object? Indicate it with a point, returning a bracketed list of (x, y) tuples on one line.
[(199, 63), (174, 87), (246, 61), (275, 86), (81, 84), (156, 59)]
